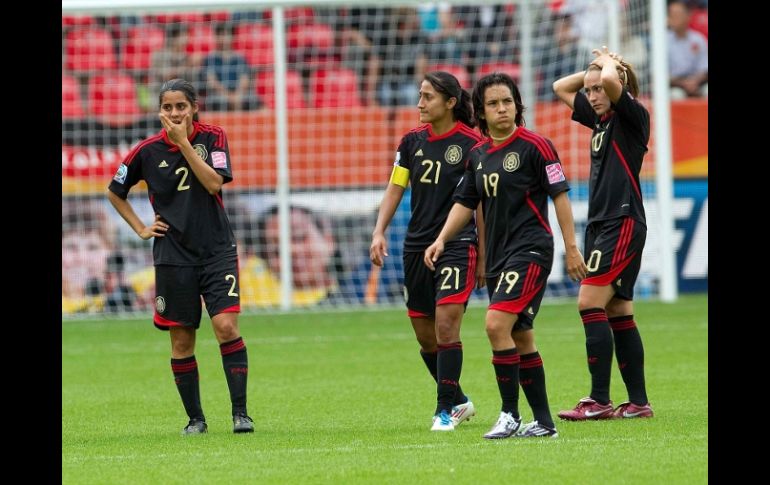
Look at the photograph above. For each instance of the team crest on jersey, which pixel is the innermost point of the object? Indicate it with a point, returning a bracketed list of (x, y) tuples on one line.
[(160, 304), (511, 162), (120, 175), (201, 151), (453, 154)]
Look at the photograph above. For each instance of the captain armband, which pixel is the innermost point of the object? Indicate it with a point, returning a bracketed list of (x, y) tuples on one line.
[(399, 176)]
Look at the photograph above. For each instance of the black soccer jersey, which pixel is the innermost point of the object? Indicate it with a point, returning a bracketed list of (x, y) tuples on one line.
[(199, 230), (435, 165), (513, 181), (618, 144)]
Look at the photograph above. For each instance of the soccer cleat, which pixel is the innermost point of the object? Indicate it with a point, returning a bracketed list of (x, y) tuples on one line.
[(505, 427), (442, 422), (536, 430), (242, 424), (631, 410), (463, 412), (195, 426), (586, 409)]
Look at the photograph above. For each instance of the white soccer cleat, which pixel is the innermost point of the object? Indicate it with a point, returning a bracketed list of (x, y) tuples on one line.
[(505, 427), (442, 422), (463, 412)]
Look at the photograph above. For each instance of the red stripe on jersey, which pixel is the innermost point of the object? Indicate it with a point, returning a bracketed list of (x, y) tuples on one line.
[(419, 129), (130, 157), (470, 131), (470, 281), (540, 142), (218, 196), (627, 168), (217, 131), (481, 142), (606, 278), (537, 213), (433, 137)]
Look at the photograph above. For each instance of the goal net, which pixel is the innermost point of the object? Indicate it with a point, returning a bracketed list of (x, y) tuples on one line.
[(352, 78)]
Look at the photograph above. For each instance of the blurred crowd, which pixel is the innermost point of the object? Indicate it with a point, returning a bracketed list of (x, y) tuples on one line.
[(352, 56)]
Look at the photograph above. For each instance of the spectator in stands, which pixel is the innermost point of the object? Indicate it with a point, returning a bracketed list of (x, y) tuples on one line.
[(87, 240), (228, 76), (173, 61), (403, 61), (491, 34), (687, 54), (357, 52), (447, 44), (559, 56)]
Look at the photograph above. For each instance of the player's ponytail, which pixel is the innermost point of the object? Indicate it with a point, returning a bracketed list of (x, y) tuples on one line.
[(449, 87)]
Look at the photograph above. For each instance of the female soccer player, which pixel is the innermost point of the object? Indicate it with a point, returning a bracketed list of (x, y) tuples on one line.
[(616, 230), (185, 166), (431, 157), (512, 173)]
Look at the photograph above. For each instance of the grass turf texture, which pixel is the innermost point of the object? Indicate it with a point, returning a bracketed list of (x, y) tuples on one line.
[(345, 397)]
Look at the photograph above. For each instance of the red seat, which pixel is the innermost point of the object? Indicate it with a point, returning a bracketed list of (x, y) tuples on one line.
[(176, 18), (89, 49), (699, 21), (136, 51), (77, 20), (334, 88), (255, 43), (457, 71), (71, 103), (310, 44), (112, 97), (200, 40), (265, 89), (505, 67), (296, 15)]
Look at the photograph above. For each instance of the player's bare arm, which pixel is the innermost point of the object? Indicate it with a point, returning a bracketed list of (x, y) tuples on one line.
[(390, 200), (576, 266), (158, 227), (457, 219), (567, 87)]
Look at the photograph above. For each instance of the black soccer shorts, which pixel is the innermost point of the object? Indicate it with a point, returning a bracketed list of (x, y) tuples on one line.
[(613, 252), (178, 291), (452, 282), (518, 289)]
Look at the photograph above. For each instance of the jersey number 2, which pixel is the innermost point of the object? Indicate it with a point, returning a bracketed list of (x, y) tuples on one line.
[(185, 173), (426, 176)]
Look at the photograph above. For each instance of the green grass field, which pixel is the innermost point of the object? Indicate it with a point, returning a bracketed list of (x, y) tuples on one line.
[(345, 398)]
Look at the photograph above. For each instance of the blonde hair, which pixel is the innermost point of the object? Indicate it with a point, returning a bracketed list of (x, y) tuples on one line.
[(627, 76)]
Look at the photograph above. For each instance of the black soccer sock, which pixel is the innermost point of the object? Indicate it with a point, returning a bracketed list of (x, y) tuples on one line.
[(431, 362), (506, 363), (235, 361), (630, 354), (599, 350), (532, 380), (186, 379), (449, 363)]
